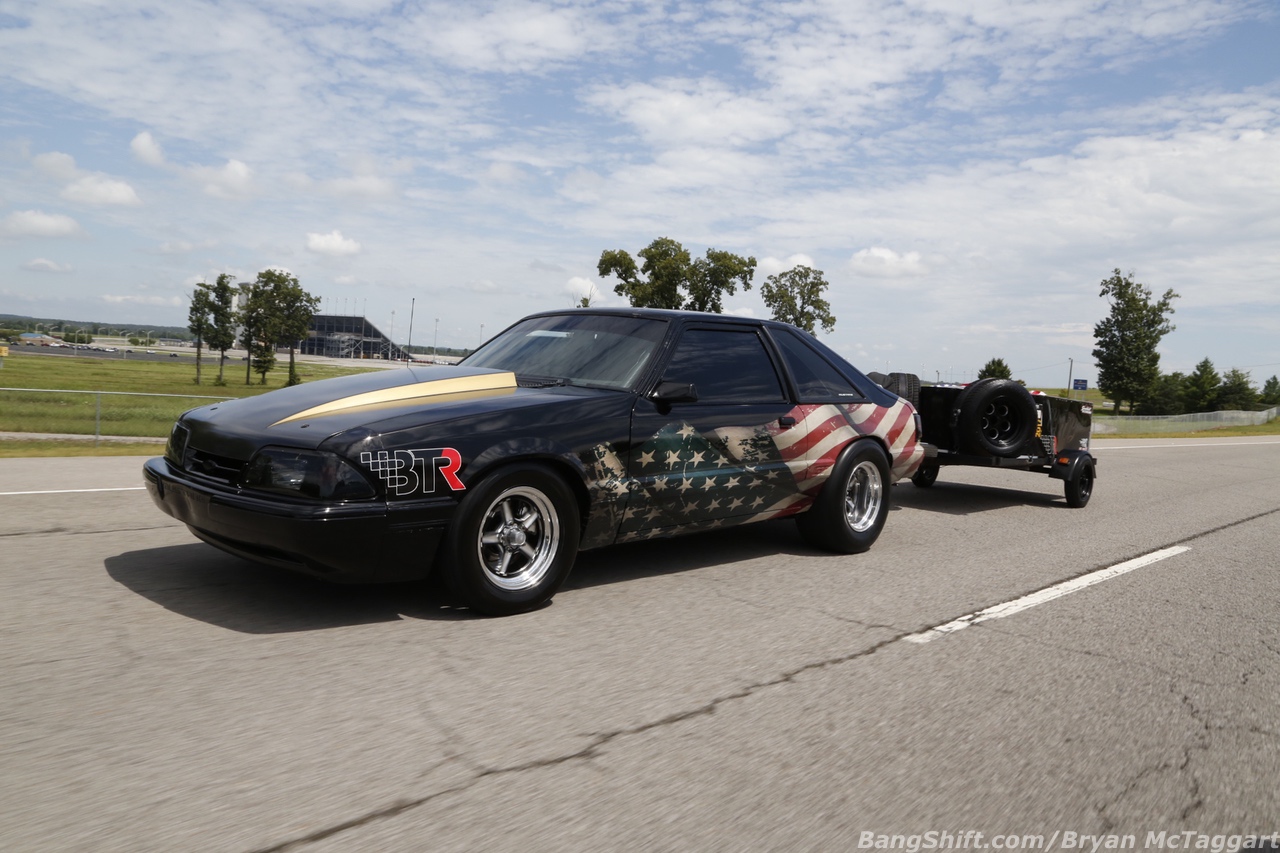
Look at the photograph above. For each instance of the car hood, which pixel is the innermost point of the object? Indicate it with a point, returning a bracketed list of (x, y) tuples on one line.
[(307, 415)]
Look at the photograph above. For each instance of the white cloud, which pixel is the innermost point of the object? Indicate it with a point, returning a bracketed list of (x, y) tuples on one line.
[(333, 244), (231, 181), (580, 288), (766, 267), (147, 150), (37, 223), (879, 262), (99, 189), (55, 164), (46, 265), (180, 247), (134, 299)]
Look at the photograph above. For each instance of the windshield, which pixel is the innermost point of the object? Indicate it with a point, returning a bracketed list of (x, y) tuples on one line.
[(575, 349)]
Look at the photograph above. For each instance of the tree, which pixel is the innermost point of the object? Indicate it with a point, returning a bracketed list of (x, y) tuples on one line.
[(1126, 357), (673, 279), (198, 319), (1236, 393), (1271, 392), (292, 310), (1200, 393), (221, 334), (257, 330), (1166, 396), (795, 297), (995, 369)]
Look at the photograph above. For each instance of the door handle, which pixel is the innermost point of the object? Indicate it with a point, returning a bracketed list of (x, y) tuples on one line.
[(786, 421)]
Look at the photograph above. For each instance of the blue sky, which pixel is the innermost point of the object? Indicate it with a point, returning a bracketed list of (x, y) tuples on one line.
[(965, 174)]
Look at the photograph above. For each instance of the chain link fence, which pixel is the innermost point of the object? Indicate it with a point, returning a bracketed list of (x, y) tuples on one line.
[(95, 414), (1135, 424)]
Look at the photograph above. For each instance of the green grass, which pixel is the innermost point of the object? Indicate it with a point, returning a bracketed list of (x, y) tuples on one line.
[(23, 449), (1272, 427), (77, 414)]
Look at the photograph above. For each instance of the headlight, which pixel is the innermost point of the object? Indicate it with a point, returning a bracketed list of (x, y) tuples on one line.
[(307, 473)]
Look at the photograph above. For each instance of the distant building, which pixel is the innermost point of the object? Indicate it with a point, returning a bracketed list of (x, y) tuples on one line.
[(341, 336), (37, 339)]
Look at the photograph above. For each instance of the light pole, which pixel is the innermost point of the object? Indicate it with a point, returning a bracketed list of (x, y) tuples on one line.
[(435, 340), (481, 334)]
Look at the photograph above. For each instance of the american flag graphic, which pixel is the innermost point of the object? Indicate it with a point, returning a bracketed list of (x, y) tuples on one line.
[(690, 480)]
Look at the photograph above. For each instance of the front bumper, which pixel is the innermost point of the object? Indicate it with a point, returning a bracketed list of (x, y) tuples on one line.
[(351, 543)]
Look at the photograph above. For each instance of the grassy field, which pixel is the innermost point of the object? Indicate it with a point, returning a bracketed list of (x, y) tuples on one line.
[(142, 416), (119, 412)]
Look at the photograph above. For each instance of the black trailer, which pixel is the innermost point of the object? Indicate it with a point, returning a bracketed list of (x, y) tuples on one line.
[(998, 423)]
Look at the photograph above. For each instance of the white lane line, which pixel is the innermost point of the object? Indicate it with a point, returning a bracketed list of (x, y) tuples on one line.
[(1049, 593), (1202, 444), (75, 491)]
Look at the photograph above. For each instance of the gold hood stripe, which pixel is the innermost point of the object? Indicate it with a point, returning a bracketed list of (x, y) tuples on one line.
[(404, 393)]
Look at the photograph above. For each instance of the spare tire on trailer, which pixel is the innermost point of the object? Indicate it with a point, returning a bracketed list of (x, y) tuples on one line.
[(995, 417), (906, 386)]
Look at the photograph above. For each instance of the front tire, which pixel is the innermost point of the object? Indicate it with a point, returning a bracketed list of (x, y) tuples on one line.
[(513, 542), (852, 507)]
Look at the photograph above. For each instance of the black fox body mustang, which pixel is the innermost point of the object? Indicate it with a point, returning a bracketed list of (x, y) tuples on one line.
[(569, 430)]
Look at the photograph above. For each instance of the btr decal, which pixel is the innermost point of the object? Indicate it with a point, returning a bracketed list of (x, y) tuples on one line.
[(408, 472)]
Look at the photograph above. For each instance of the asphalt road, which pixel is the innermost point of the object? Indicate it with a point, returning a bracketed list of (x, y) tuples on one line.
[(730, 691)]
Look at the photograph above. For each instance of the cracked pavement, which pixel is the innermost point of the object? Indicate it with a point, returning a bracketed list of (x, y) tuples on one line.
[(726, 691)]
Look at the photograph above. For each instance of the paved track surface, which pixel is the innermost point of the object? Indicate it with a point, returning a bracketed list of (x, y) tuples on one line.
[(730, 691)]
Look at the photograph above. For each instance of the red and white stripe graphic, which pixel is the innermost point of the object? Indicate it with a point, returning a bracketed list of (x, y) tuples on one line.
[(811, 447)]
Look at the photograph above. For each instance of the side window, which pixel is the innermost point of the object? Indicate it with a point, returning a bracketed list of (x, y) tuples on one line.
[(725, 366), (817, 380)]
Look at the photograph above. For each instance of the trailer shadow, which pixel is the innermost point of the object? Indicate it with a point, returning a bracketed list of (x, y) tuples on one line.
[(967, 498)]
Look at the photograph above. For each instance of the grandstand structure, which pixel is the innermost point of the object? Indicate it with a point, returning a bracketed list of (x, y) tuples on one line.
[(345, 336)]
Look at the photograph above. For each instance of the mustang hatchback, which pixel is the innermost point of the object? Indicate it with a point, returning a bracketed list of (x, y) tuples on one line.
[(569, 430)]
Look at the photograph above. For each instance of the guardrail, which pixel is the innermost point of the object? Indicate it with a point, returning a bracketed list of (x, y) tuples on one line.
[(124, 413), (1130, 424)]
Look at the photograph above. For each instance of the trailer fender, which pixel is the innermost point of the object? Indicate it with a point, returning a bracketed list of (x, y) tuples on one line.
[(1068, 463)]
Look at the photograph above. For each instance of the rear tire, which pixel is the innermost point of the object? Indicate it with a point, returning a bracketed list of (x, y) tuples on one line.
[(852, 507), (513, 541)]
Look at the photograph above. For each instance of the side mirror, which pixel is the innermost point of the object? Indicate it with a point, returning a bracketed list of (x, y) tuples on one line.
[(674, 392)]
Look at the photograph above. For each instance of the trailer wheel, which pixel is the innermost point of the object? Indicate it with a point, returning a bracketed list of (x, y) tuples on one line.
[(854, 502), (1079, 489), (926, 475), (996, 417)]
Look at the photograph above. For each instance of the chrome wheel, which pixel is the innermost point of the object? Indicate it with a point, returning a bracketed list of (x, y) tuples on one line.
[(863, 496), (519, 538)]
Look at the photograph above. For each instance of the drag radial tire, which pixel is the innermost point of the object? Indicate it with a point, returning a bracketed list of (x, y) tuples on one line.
[(996, 418), (513, 541), (853, 504)]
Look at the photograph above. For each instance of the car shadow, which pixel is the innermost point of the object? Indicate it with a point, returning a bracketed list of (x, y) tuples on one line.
[(633, 560), (204, 584)]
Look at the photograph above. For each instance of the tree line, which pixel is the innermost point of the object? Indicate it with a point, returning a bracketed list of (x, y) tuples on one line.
[(274, 312), (670, 277), (1129, 364)]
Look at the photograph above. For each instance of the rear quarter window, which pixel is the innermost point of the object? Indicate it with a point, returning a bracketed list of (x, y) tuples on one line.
[(817, 381)]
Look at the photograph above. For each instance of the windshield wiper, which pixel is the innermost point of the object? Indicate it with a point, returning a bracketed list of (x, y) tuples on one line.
[(542, 381)]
